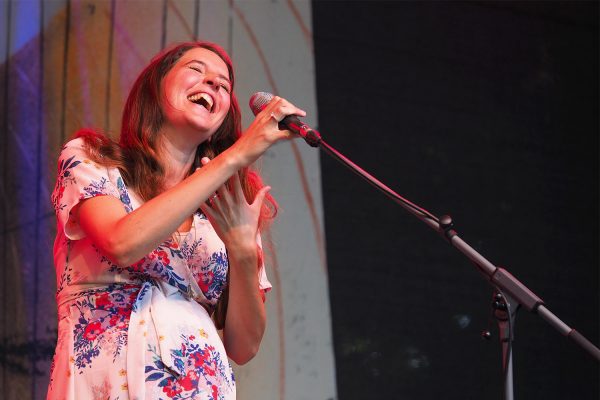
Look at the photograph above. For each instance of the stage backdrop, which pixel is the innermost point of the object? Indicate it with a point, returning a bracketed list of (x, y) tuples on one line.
[(68, 64)]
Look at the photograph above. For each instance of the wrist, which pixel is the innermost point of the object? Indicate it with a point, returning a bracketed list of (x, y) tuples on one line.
[(243, 254), (233, 158)]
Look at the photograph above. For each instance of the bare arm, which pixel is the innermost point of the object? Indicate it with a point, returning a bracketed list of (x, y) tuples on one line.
[(246, 317), (126, 238), (236, 223)]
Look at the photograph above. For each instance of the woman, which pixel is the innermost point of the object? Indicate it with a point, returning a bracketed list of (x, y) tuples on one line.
[(140, 270)]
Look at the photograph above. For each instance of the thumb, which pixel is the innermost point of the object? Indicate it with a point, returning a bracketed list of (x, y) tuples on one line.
[(260, 196)]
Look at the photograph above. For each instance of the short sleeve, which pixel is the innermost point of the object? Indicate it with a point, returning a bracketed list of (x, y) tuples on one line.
[(263, 280), (78, 179)]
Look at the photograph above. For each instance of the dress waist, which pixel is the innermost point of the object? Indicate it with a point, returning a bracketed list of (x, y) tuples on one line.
[(72, 292)]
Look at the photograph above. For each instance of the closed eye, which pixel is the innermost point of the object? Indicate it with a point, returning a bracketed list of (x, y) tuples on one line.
[(197, 69), (224, 85)]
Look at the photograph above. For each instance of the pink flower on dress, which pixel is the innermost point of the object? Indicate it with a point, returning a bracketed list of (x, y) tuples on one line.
[(172, 388), (210, 369), (92, 331), (118, 321), (190, 381), (132, 297), (103, 300), (205, 281), (164, 258), (193, 375), (138, 266), (200, 358)]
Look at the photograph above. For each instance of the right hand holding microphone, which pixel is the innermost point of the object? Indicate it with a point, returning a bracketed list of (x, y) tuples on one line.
[(264, 130)]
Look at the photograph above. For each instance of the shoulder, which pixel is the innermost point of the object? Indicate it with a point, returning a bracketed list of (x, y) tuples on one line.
[(78, 162), (74, 150), (85, 151), (96, 145), (74, 145)]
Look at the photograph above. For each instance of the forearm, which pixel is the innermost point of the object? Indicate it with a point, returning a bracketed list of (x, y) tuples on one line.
[(245, 321), (130, 237)]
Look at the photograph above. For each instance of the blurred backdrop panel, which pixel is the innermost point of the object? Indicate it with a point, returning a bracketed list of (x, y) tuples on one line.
[(487, 111), (69, 64)]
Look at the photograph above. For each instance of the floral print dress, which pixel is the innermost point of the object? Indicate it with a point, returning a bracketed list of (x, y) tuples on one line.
[(141, 331)]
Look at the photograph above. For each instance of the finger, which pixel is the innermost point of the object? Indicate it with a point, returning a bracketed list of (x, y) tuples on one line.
[(237, 189), (227, 188), (281, 103), (203, 162), (283, 134), (208, 212), (287, 134), (222, 197), (213, 202), (260, 196), (279, 113), (278, 108)]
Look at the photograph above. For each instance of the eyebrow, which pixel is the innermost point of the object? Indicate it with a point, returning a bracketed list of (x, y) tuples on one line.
[(206, 66)]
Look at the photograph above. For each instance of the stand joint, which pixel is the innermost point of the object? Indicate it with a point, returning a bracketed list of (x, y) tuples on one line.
[(446, 225)]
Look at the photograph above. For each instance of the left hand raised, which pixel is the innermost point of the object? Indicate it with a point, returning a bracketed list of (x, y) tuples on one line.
[(233, 218)]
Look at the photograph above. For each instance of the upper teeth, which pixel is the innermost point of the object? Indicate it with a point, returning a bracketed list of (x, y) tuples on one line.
[(202, 98)]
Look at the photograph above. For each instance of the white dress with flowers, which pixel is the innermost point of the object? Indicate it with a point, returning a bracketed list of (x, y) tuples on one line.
[(141, 331)]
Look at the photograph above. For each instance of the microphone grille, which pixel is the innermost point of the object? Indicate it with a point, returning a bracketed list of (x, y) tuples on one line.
[(259, 100)]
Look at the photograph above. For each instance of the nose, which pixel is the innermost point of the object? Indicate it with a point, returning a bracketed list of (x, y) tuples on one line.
[(211, 80)]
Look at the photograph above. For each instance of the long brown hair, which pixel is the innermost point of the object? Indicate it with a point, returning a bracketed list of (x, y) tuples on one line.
[(137, 156)]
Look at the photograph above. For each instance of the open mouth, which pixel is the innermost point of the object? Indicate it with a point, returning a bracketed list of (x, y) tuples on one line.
[(203, 99)]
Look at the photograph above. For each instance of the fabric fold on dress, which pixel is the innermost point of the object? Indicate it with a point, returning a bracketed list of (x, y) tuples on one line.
[(153, 309)]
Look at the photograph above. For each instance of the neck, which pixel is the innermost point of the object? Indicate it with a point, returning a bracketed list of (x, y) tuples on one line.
[(177, 157)]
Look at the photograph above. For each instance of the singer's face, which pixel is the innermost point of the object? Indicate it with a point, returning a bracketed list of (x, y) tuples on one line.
[(196, 95)]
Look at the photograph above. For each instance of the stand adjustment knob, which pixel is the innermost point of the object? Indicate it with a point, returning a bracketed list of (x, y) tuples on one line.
[(446, 222), (446, 226)]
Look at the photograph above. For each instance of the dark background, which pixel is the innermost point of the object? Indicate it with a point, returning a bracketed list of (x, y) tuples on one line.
[(487, 111)]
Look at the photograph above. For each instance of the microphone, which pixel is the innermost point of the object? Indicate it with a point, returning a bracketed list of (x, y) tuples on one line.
[(259, 101)]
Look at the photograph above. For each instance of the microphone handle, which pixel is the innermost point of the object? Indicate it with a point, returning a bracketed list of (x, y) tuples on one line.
[(293, 123)]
